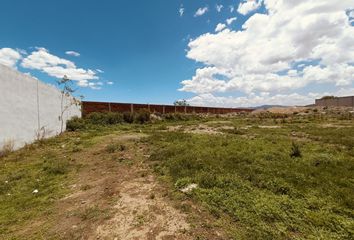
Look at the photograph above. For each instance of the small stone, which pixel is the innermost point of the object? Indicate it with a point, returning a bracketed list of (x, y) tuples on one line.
[(35, 191), (83, 202), (189, 188)]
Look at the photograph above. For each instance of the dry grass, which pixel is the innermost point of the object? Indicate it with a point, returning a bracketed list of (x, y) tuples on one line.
[(7, 148)]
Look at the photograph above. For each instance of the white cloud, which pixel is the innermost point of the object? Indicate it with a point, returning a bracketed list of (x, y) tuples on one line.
[(201, 11), (95, 85), (248, 6), (219, 7), (110, 83), (9, 57), (264, 98), (293, 45), (229, 21), (351, 14), (220, 27), (72, 53), (181, 10), (57, 67), (99, 70), (232, 8)]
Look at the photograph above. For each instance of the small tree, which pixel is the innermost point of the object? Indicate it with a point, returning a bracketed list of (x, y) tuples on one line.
[(65, 85), (181, 103)]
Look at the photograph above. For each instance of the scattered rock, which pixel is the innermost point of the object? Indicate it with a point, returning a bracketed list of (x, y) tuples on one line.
[(189, 188), (35, 191)]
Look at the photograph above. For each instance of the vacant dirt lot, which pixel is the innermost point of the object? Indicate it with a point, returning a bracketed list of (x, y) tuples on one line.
[(253, 177)]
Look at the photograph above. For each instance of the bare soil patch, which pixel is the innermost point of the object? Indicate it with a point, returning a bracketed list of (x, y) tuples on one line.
[(115, 195)]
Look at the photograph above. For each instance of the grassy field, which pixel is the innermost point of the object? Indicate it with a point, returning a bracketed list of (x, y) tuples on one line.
[(260, 177)]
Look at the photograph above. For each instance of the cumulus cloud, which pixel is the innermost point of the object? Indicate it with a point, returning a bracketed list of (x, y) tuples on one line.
[(201, 11), (294, 44), (181, 10), (54, 66), (110, 83), (219, 7), (229, 21), (264, 98), (72, 53), (248, 6), (220, 27), (9, 57)]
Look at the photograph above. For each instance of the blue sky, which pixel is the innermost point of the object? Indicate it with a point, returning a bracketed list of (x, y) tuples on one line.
[(140, 45), (144, 49)]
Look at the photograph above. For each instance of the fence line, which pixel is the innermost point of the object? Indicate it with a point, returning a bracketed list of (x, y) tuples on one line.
[(90, 107)]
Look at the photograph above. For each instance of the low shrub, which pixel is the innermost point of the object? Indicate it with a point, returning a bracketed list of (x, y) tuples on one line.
[(114, 118), (7, 148), (114, 147), (142, 116), (128, 117), (295, 151), (97, 118), (180, 117), (55, 166), (75, 124)]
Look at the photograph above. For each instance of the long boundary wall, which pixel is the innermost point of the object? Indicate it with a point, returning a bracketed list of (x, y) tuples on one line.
[(90, 107), (336, 102), (29, 108)]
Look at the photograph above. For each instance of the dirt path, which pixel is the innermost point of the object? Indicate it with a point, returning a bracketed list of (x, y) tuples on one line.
[(116, 196), (142, 213)]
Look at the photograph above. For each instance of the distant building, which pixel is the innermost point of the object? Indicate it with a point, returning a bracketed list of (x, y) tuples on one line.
[(335, 101)]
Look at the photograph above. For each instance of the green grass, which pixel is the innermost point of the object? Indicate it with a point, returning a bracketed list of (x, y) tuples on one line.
[(295, 181), (257, 185)]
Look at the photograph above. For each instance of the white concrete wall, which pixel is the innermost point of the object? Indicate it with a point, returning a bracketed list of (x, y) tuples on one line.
[(28, 107)]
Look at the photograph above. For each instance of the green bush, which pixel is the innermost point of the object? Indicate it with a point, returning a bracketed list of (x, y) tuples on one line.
[(97, 118), (142, 116), (55, 166), (180, 117), (295, 151), (128, 117), (75, 124), (115, 147), (114, 118)]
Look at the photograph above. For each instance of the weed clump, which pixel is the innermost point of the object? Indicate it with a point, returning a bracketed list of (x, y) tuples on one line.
[(142, 116), (128, 117), (295, 151), (55, 166), (7, 148), (114, 147), (76, 124)]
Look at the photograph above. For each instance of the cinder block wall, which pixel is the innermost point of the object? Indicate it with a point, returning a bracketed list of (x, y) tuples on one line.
[(29, 107), (336, 102), (90, 107)]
